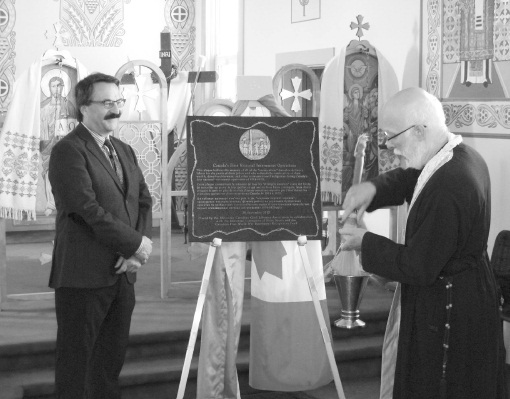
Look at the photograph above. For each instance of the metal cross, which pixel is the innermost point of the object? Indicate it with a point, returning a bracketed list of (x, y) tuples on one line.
[(360, 25)]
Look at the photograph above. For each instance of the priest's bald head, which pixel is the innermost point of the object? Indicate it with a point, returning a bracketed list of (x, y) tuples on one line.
[(414, 126)]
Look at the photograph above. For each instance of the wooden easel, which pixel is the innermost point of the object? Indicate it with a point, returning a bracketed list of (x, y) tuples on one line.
[(301, 241), (197, 316), (3, 264)]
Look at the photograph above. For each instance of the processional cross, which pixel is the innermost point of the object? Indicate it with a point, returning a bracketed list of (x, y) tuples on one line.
[(360, 25), (57, 36), (166, 62), (170, 71)]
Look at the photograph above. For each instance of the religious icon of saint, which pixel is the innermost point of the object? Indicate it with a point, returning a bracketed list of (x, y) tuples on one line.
[(372, 152), (355, 124), (56, 109), (58, 117)]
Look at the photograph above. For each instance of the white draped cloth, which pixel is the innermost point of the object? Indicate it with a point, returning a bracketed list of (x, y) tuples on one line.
[(179, 97), (19, 145)]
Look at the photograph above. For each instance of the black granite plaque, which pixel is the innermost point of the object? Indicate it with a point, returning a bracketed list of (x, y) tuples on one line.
[(253, 178)]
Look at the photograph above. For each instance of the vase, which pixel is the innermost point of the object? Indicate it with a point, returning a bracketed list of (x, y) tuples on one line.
[(350, 289)]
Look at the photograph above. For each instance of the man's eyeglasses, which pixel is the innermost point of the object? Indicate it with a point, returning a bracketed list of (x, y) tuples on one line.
[(387, 137), (108, 104)]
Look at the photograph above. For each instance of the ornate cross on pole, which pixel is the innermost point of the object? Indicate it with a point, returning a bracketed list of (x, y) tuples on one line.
[(57, 36), (166, 62), (360, 25), (166, 53)]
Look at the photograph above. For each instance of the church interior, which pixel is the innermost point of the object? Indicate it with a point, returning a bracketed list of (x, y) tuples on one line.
[(178, 58)]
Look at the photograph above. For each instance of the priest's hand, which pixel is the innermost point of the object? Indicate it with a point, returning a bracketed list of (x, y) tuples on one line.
[(131, 265), (358, 198), (351, 238)]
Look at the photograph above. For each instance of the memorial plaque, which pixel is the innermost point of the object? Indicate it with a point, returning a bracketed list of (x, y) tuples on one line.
[(253, 178)]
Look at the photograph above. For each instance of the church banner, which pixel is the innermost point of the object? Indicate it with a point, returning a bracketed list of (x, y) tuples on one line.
[(253, 178), (466, 64)]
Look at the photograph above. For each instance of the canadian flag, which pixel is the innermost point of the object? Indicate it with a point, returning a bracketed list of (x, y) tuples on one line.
[(287, 350)]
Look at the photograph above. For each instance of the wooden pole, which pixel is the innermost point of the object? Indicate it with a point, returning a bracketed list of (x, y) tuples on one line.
[(3, 264), (196, 318)]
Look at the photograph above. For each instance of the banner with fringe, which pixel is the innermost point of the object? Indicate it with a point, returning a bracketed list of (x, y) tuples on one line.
[(334, 102), (20, 142)]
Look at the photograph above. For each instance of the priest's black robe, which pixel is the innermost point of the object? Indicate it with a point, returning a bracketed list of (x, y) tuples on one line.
[(445, 241)]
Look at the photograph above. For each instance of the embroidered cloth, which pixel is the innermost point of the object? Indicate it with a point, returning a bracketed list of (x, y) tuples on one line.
[(19, 146), (331, 119)]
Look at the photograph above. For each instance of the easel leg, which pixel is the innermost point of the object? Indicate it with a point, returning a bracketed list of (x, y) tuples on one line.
[(196, 318), (221, 324), (3, 264), (320, 316)]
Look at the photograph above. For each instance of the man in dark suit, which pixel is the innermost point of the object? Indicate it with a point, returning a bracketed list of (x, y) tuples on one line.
[(103, 225)]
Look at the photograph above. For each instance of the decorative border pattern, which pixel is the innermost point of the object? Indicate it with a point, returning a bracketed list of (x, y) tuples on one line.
[(485, 115), (92, 23), (433, 47), (21, 157), (145, 139), (7, 54), (180, 19), (502, 31), (490, 119)]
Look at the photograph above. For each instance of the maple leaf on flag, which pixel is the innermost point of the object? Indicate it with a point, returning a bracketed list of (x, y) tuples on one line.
[(269, 260)]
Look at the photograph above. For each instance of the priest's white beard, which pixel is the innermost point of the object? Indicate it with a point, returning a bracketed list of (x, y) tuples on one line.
[(414, 156)]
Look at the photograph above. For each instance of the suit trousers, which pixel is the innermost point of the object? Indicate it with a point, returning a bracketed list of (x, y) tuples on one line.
[(92, 338)]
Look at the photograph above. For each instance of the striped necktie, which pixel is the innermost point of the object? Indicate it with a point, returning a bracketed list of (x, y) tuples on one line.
[(114, 160)]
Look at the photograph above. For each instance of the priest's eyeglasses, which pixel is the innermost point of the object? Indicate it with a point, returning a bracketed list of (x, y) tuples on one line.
[(108, 104), (387, 137)]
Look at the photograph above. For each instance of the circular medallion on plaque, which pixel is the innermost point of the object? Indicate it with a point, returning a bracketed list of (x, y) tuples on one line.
[(254, 144)]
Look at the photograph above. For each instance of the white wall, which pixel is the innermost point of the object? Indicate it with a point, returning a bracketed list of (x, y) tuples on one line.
[(496, 153), (269, 31)]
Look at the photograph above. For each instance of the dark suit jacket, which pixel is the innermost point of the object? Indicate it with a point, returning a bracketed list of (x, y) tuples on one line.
[(97, 221)]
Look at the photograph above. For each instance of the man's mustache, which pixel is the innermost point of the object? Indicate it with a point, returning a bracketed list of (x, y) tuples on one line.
[(112, 116)]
